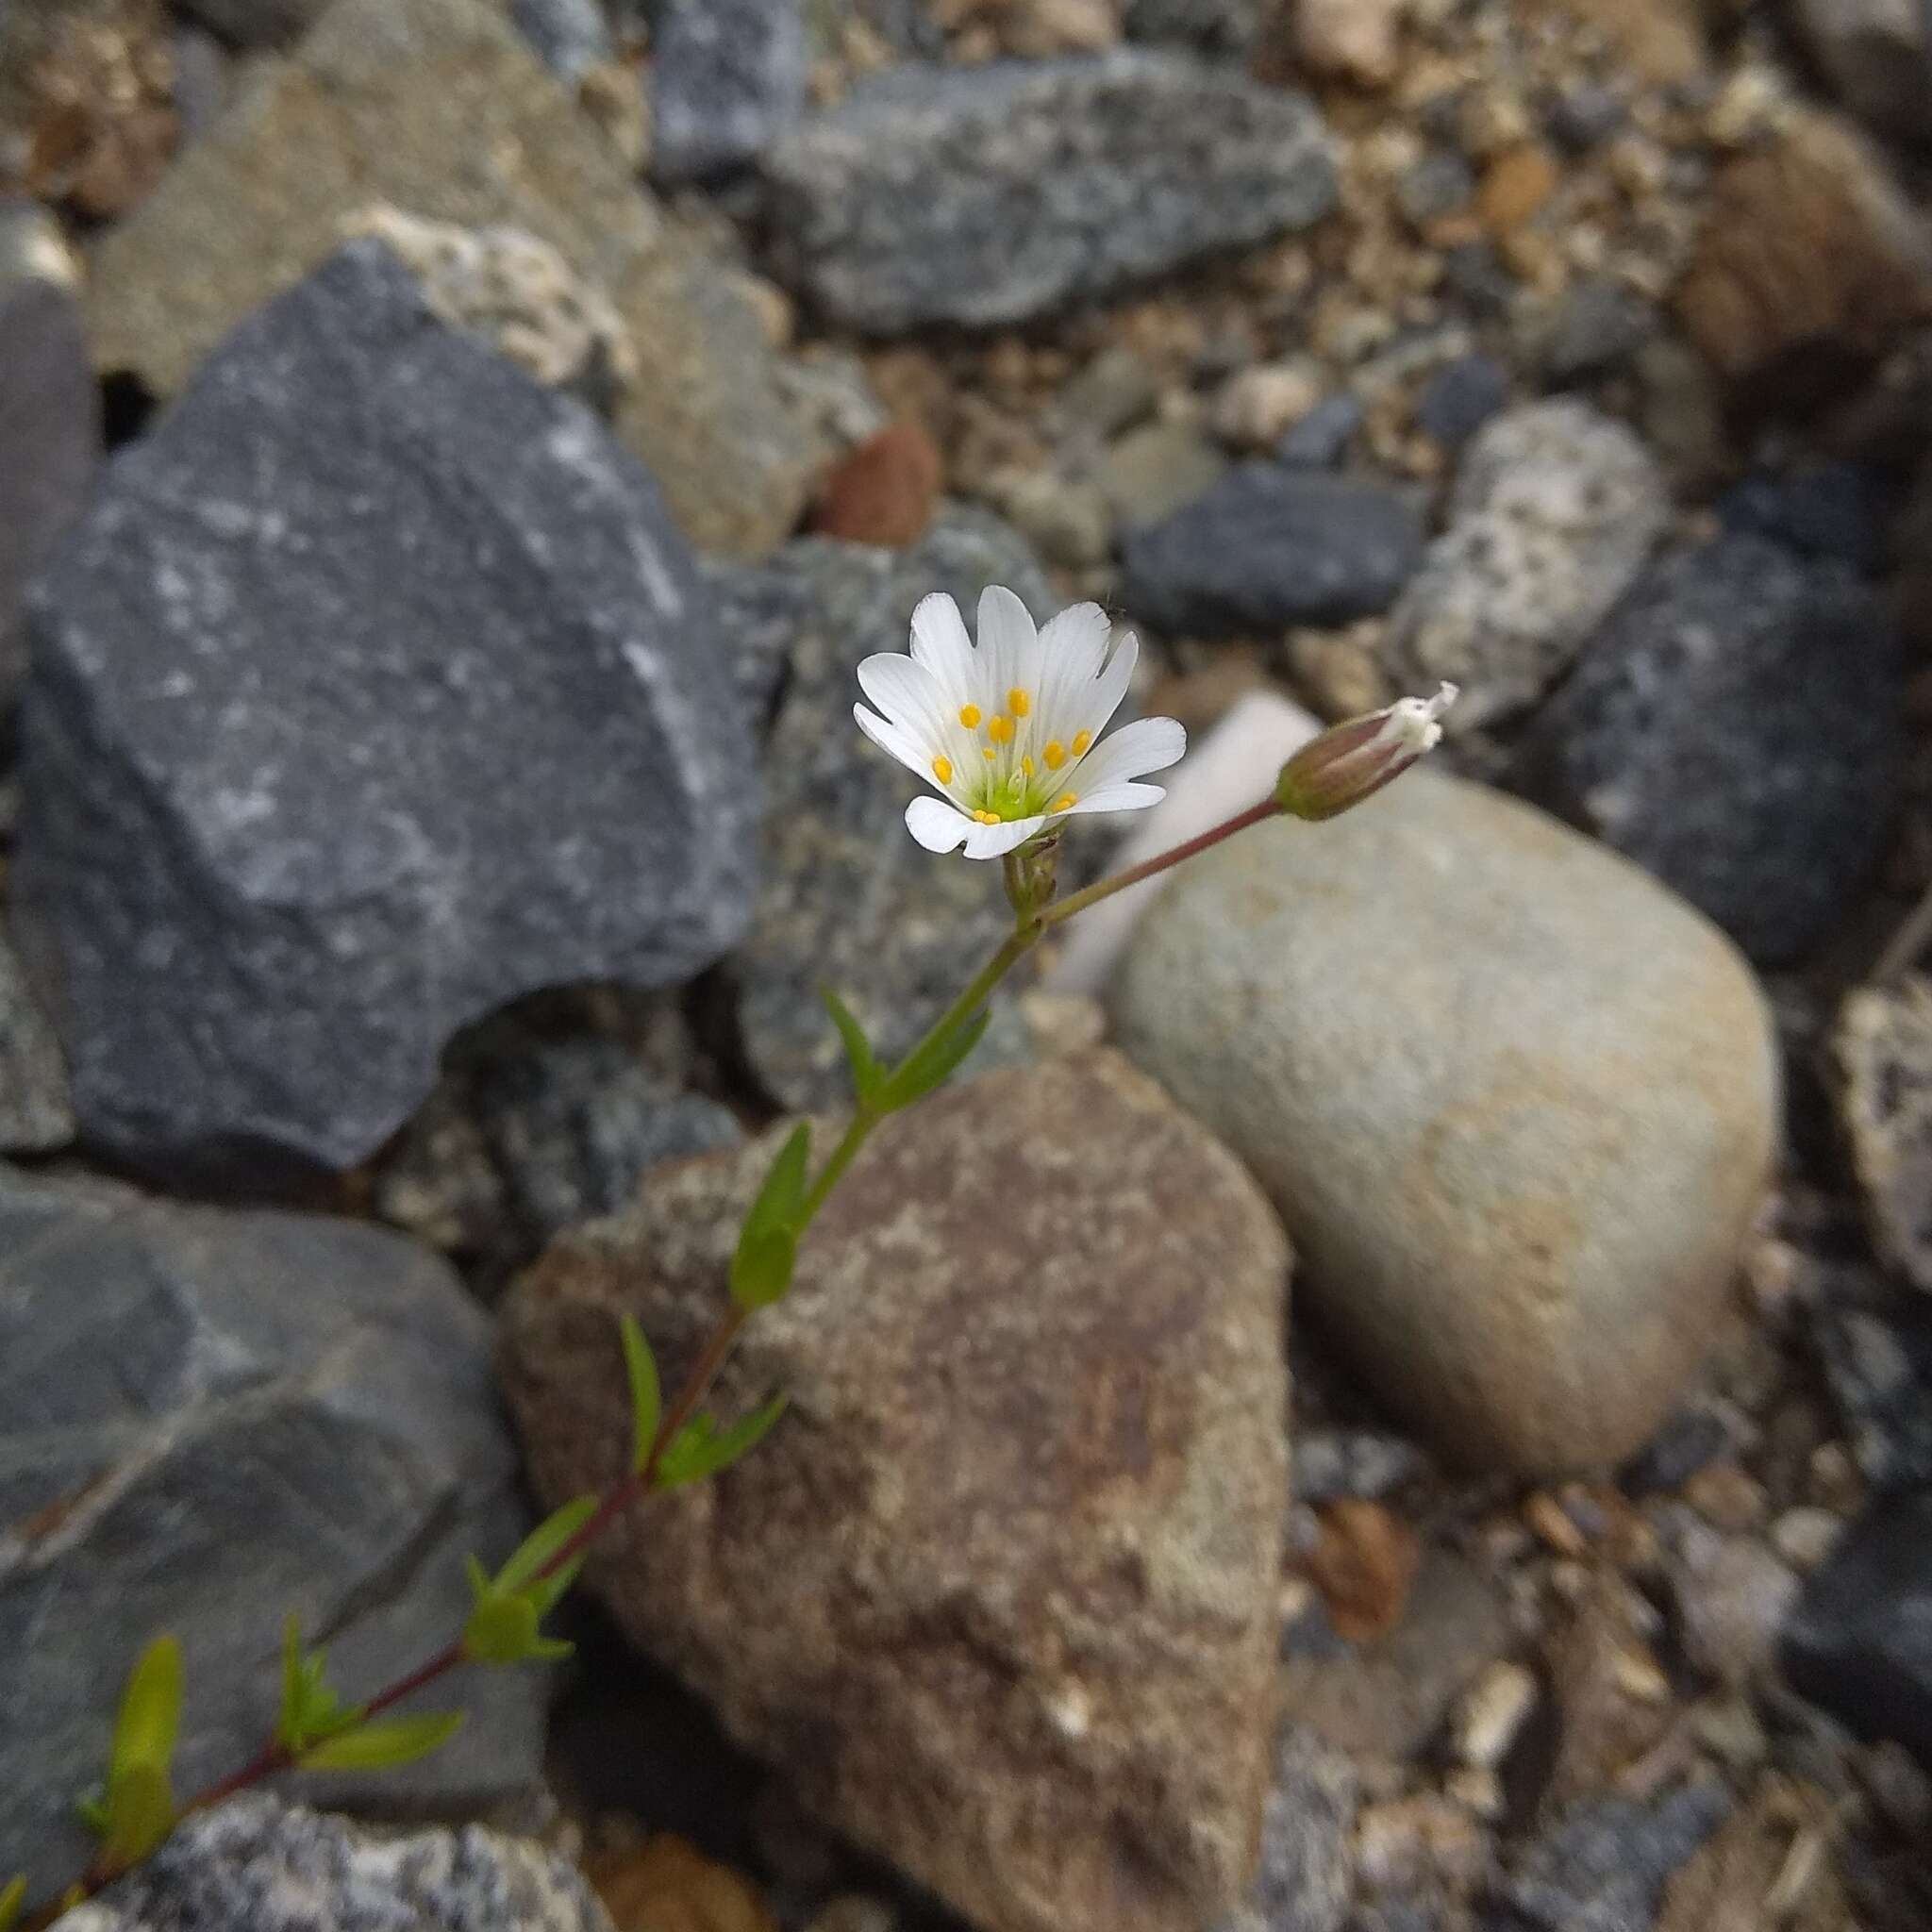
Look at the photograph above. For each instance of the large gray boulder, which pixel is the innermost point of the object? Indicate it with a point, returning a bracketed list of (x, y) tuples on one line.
[(208, 1421), (989, 194), (376, 688)]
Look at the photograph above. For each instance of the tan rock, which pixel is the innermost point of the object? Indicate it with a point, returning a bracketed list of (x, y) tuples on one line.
[(1882, 1046), (1810, 260), (1515, 1101), (1000, 1590), (438, 106), (1661, 40), (1515, 186), (1351, 40)]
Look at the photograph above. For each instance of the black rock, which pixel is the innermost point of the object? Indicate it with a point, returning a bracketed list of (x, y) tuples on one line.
[(1858, 1642), (1734, 728), (1693, 1438), (208, 1421), (1835, 511), (849, 900), (989, 194), (1267, 547), (727, 79), (1875, 1345), (50, 445), (255, 24), (1460, 397), (1321, 438), (1230, 27), (1604, 1865), (376, 688)]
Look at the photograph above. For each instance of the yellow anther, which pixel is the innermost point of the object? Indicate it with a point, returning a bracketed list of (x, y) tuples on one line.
[(1026, 766), (969, 716), (986, 751), (1018, 702), (1065, 801), (1055, 755), (986, 818), (942, 769), (1081, 740), (1000, 728)]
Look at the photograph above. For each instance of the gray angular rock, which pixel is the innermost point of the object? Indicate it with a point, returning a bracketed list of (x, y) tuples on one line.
[(1460, 397), (1735, 729), (570, 37), (210, 1420), (50, 446), (848, 900), (989, 194), (727, 79), (1516, 1101), (1321, 438), (1604, 1864), (1268, 547), (258, 1866), (442, 109), (1876, 1350), (375, 689), (1858, 1642), (999, 1592), (1555, 507), (1306, 1873), (36, 1103)]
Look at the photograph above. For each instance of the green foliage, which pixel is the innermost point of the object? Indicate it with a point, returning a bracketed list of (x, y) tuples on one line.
[(768, 1243), (701, 1448), (646, 1391), (136, 1810), (310, 1710), (868, 1075), (505, 1625), (930, 1065), (384, 1744), (11, 1899)]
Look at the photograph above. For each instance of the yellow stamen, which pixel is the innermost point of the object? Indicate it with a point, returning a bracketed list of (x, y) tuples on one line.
[(1065, 801), (969, 716), (1000, 728), (986, 818), (1026, 766), (1018, 702), (986, 751), (942, 769), (1055, 755), (1081, 740)]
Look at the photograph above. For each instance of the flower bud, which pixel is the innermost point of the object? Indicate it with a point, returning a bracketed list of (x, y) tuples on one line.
[(1352, 761)]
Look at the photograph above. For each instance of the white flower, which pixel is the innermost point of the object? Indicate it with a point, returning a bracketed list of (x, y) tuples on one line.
[(1009, 731)]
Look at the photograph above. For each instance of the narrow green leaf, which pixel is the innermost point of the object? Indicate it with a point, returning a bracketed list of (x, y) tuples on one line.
[(934, 1063), (782, 1196), (647, 1393), (150, 1714), (547, 1591), (543, 1543), (762, 1269), (867, 1073), (501, 1630), (480, 1585), (140, 1813), (702, 1449), (11, 1898), (383, 1746)]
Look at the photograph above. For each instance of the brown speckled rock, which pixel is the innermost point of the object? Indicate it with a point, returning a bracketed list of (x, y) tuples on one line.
[(999, 1591), (1515, 1101)]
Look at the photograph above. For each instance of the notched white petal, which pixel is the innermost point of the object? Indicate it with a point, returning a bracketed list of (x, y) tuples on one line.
[(937, 826), (890, 738)]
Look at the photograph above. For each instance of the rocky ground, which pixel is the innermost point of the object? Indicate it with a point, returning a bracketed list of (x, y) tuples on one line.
[(453, 456)]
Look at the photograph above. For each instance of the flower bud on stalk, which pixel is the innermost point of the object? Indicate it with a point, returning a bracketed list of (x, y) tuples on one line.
[(1352, 761)]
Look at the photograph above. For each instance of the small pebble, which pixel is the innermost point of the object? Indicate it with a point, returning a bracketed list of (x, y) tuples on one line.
[(1491, 1714), (1321, 438), (1803, 1536)]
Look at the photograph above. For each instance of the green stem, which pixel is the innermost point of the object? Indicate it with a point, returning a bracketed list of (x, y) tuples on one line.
[(1105, 888)]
